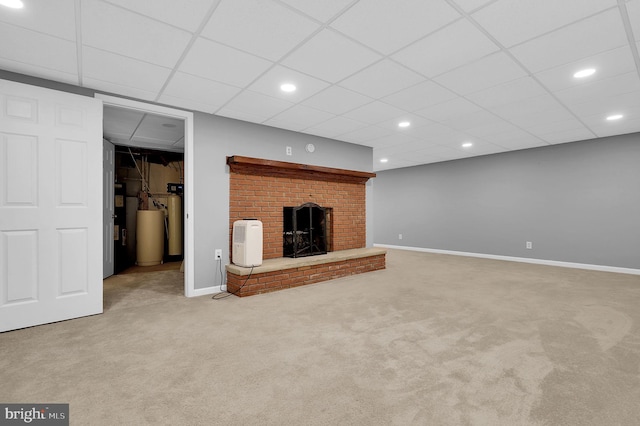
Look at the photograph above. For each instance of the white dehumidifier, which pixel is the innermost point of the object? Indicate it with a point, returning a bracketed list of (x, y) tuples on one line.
[(247, 243)]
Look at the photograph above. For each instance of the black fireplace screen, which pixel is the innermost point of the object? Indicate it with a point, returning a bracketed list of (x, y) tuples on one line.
[(305, 230)]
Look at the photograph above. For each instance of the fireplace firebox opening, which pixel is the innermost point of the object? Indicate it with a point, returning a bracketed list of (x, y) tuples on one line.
[(306, 230)]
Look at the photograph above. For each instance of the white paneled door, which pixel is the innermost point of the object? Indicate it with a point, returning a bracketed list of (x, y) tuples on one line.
[(50, 206)]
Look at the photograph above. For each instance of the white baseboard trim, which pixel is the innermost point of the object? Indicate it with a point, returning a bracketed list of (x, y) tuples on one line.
[(602, 268), (206, 290)]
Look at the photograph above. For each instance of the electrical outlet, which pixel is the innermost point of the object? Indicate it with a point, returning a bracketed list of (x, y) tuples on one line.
[(218, 254), (289, 151), (399, 236), (529, 245)]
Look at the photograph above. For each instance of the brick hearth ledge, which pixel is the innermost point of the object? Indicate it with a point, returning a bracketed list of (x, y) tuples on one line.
[(282, 263), (281, 273)]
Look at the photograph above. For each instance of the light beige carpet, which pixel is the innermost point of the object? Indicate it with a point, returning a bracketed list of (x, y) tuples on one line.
[(431, 340)]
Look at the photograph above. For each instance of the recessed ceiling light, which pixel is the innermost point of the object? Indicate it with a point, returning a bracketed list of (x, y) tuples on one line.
[(404, 124), (467, 144), (585, 73), (614, 117), (288, 87), (384, 160), (14, 4)]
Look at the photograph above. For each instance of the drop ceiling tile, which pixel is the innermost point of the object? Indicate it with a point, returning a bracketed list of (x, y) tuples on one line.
[(330, 56), (257, 105), (630, 113), (389, 26), (185, 15), (620, 128), (569, 44), (420, 96), (542, 118), (237, 114), (489, 71), (188, 104), (445, 110), (119, 89), (38, 71), (299, 117), (599, 89), (437, 151), (534, 111), (337, 100), (264, 28), (381, 79), (33, 48), (494, 127), (366, 134), (150, 145), (123, 71), (605, 105), (455, 155), (470, 5), (455, 45), (270, 82), (394, 139), (320, 10), (514, 21), (513, 91), (374, 113), (215, 61), (559, 126), (160, 130), (633, 10), (211, 94), (335, 127), (415, 121), (120, 123), (607, 64), (517, 139), (411, 147), (112, 29), (468, 121), (569, 135), (55, 18), (481, 147), (435, 132), (454, 139), (545, 117)]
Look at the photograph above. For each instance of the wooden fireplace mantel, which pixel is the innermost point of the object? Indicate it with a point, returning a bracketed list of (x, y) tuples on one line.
[(258, 166)]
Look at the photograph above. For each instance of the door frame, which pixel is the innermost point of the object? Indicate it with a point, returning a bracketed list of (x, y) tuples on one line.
[(188, 217), (108, 207)]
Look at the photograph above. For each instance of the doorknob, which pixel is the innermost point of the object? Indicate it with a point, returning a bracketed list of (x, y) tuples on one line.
[(113, 216)]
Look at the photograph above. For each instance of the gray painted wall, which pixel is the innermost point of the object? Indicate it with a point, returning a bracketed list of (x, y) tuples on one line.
[(219, 137), (576, 202)]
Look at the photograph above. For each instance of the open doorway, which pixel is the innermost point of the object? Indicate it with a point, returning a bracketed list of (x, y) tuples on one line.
[(148, 204), (153, 146)]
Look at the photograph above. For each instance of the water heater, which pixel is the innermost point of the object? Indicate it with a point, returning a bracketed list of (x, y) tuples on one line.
[(247, 243)]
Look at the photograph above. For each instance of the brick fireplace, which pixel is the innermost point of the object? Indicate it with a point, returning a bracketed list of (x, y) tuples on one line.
[(261, 189)]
